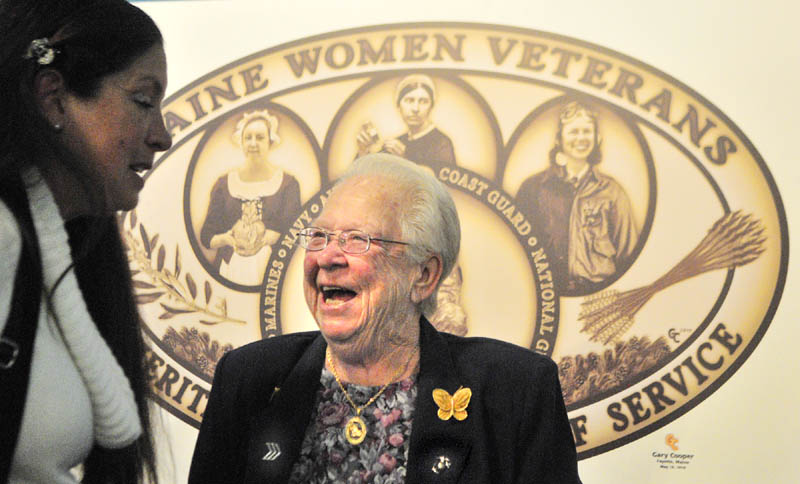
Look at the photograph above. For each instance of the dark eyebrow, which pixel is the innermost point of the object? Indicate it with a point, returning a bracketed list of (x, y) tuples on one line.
[(155, 81)]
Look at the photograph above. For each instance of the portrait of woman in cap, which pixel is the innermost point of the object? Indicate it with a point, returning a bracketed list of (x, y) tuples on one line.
[(423, 142)]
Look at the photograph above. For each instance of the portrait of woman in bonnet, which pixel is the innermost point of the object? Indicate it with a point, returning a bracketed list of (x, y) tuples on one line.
[(251, 204), (80, 122)]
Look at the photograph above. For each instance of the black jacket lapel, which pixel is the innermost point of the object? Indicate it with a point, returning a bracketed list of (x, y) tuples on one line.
[(277, 431), (439, 448)]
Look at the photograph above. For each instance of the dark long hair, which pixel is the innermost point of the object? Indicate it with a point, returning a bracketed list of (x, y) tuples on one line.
[(93, 39)]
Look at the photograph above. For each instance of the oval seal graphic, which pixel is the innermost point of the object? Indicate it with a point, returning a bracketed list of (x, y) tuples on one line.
[(612, 218)]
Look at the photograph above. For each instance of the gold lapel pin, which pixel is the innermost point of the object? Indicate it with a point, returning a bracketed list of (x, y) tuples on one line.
[(454, 405)]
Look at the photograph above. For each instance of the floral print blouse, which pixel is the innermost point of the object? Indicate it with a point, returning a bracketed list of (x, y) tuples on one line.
[(327, 457)]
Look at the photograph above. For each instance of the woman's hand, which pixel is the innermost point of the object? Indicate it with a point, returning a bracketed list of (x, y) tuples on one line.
[(271, 237), (395, 147), (368, 139), (246, 249), (222, 240)]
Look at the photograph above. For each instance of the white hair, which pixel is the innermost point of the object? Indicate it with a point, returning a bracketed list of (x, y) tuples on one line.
[(428, 218)]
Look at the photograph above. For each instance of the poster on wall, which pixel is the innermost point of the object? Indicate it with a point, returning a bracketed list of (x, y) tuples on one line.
[(566, 201), (613, 219)]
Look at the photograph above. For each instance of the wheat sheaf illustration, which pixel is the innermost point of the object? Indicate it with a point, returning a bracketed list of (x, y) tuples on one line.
[(734, 240)]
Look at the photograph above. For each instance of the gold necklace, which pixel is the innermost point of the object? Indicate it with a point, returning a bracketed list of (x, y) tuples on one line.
[(356, 429)]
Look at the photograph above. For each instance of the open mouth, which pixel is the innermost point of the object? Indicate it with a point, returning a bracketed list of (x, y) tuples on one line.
[(141, 168), (335, 295)]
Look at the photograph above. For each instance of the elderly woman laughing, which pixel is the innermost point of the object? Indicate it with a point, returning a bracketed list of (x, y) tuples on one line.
[(377, 394)]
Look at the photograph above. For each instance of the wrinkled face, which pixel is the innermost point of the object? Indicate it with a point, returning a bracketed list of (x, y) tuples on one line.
[(356, 297), (578, 138), (255, 140), (415, 107), (118, 131)]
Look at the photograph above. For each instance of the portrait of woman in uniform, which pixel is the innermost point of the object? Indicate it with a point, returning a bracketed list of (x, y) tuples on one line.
[(582, 215)]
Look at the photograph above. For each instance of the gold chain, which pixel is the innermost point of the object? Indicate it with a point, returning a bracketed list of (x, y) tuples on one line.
[(374, 397)]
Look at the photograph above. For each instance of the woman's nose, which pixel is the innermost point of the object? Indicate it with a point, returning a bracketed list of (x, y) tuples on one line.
[(159, 137), (332, 255)]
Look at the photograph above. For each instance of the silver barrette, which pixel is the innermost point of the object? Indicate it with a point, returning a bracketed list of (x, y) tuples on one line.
[(41, 51)]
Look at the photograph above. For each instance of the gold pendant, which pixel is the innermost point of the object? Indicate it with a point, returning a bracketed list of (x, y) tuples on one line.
[(356, 430)]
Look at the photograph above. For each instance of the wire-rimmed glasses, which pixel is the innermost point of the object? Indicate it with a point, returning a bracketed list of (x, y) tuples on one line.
[(350, 241)]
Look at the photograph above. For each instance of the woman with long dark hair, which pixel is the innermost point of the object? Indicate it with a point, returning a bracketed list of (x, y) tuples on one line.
[(80, 121)]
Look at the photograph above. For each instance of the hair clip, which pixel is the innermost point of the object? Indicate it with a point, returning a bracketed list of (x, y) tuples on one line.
[(41, 51)]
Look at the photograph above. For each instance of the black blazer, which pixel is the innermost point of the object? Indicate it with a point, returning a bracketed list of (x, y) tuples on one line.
[(516, 430)]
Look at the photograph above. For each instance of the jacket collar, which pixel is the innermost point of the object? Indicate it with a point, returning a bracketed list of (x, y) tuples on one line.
[(439, 448), (435, 444), (281, 425)]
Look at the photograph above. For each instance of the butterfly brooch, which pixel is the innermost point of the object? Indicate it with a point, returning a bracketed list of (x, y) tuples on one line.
[(454, 405)]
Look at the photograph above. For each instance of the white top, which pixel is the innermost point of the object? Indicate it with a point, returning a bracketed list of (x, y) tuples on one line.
[(243, 190), (77, 391)]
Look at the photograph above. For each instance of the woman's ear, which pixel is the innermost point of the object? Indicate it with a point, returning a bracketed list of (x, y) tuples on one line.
[(49, 89), (427, 279)]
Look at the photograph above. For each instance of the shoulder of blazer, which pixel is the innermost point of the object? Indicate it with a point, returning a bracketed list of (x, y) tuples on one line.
[(272, 355), (256, 368), (488, 357)]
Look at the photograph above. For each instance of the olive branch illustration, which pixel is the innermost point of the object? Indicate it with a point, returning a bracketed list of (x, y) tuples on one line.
[(164, 285), (734, 240)]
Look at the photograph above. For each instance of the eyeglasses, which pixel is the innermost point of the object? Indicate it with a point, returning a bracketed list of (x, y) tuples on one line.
[(350, 241)]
